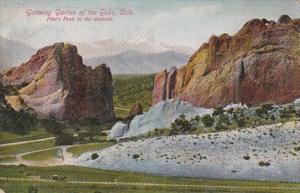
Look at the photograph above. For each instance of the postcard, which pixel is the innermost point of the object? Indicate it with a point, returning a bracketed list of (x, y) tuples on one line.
[(136, 96)]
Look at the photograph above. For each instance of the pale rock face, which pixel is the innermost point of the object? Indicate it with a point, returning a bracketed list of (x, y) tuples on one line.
[(161, 116), (235, 106), (297, 104), (118, 130)]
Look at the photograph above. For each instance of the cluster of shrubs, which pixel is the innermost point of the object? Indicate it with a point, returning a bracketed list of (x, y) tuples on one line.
[(218, 120), (64, 138), (223, 119), (264, 164)]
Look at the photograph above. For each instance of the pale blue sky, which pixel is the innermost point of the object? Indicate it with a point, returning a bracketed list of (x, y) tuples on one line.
[(184, 23)]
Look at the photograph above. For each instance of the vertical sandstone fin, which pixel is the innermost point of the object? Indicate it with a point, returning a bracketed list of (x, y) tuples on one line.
[(160, 84), (164, 85), (171, 81)]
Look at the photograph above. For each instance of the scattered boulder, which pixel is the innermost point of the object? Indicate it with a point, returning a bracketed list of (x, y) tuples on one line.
[(94, 156), (118, 130)]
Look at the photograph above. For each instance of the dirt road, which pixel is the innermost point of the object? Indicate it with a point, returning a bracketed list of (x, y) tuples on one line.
[(29, 141)]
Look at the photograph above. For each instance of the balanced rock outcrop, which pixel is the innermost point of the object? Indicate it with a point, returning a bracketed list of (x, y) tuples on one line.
[(260, 63), (137, 109), (55, 83)]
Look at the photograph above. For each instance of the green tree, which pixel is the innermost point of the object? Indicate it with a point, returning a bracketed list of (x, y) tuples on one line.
[(230, 111), (181, 124), (287, 112), (264, 110), (195, 121), (220, 126), (241, 122), (224, 119), (65, 139), (207, 120), (218, 111)]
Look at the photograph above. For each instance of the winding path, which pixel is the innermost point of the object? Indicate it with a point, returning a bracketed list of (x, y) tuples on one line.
[(29, 141), (65, 158)]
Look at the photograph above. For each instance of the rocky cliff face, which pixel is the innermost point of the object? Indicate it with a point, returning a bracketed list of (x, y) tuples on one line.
[(260, 63), (54, 82)]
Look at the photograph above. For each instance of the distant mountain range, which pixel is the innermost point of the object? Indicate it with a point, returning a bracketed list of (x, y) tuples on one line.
[(125, 58), (138, 62), (109, 47), (13, 53)]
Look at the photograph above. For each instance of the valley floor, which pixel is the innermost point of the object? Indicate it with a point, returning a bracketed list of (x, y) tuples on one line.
[(23, 179)]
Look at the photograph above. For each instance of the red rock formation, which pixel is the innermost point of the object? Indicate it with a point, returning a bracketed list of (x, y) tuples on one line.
[(137, 109), (54, 82), (164, 85), (25, 73), (260, 63), (160, 83), (171, 81)]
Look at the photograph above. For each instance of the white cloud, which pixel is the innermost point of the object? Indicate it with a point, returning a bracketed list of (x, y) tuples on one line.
[(187, 23)]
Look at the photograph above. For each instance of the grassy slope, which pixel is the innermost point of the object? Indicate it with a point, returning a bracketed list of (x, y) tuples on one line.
[(131, 88), (74, 173), (41, 156), (7, 158), (76, 150)]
